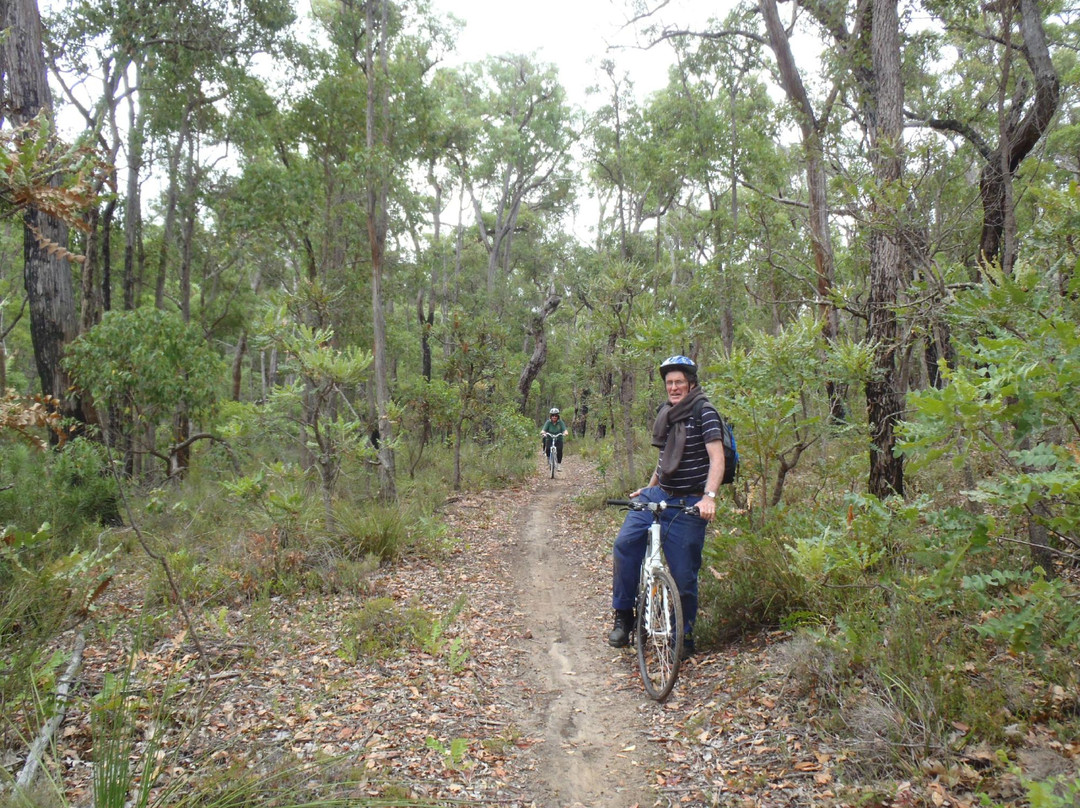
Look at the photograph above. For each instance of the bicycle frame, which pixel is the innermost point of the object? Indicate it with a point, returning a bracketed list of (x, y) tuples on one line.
[(654, 556), (551, 450), (659, 629), (652, 565)]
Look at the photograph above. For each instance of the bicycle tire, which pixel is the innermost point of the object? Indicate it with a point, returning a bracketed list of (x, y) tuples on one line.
[(659, 633), (551, 459)]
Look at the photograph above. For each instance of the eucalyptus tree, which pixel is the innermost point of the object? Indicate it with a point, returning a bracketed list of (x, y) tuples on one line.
[(176, 66), (632, 192), (46, 269), (814, 116), (637, 179), (443, 153), (1009, 53), (335, 173), (544, 266), (862, 75), (472, 371), (521, 154), (715, 127), (884, 388), (1007, 59), (101, 128), (813, 120), (394, 48), (870, 82)]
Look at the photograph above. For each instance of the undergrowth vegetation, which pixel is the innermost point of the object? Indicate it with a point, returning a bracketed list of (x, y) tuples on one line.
[(919, 627), (950, 619), (211, 541)]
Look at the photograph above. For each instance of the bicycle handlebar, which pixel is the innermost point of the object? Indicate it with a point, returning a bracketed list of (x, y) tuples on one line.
[(655, 507)]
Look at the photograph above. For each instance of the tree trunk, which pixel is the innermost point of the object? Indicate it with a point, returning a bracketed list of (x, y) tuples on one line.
[(106, 255), (458, 438), (538, 331), (171, 197), (812, 130), (238, 365), (884, 396), (377, 193), (49, 287), (91, 268), (1017, 139), (426, 321), (627, 388), (133, 202)]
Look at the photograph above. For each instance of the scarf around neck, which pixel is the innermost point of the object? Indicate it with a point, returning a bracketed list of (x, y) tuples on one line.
[(669, 429)]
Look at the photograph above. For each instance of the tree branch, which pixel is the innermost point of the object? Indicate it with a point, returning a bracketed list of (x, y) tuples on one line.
[(959, 128), (44, 738)]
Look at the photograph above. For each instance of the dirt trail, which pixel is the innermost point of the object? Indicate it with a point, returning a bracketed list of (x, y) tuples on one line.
[(585, 697)]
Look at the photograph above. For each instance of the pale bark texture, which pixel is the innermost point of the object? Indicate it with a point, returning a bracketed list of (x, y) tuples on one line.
[(812, 129), (377, 192), (132, 216)]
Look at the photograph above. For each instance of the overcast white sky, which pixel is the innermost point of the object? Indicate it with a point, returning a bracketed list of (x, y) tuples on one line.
[(574, 34)]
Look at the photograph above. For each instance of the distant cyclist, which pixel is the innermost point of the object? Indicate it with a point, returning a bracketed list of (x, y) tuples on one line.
[(554, 430)]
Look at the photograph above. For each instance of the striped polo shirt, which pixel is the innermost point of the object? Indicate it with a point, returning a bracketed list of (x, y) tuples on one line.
[(693, 470)]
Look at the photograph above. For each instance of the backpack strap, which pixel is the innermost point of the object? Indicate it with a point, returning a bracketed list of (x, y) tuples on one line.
[(699, 405), (725, 430)]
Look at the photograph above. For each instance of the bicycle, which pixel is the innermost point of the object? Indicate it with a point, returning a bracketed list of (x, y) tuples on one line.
[(658, 629), (551, 451)]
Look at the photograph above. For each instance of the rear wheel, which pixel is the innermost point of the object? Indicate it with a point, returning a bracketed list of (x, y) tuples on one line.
[(659, 634)]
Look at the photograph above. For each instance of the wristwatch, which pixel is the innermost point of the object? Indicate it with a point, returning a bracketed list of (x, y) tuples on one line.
[(710, 494)]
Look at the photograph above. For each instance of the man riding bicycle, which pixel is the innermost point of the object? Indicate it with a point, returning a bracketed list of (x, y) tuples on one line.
[(554, 430), (688, 472)]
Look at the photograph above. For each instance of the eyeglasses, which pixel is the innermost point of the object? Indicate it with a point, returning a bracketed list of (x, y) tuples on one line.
[(676, 383)]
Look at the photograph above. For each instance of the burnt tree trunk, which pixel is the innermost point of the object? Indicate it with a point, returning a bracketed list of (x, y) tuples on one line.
[(46, 273), (1020, 127)]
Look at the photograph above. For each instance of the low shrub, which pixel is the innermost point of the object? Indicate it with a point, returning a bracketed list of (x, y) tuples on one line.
[(372, 529), (747, 579), (381, 628)]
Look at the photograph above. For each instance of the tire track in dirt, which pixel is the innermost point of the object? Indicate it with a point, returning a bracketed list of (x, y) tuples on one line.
[(594, 752)]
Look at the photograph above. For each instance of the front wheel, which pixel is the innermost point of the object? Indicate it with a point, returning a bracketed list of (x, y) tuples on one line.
[(659, 633), (551, 459)]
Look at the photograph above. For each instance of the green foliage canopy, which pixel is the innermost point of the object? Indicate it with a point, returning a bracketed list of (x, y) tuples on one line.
[(147, 362)]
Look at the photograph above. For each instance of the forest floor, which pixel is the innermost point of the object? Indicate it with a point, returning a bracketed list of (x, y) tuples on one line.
[(520, 702)]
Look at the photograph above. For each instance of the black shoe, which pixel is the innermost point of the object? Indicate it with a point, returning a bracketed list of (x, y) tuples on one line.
[(688, 649), (624, 627)]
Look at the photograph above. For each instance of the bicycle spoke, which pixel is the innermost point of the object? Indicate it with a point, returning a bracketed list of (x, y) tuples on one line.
[(659, 634)]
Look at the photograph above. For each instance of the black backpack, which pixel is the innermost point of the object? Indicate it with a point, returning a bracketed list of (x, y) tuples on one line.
[(731, 454)]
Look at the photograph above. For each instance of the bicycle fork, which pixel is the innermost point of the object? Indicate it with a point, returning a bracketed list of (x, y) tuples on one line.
[(655, 612)]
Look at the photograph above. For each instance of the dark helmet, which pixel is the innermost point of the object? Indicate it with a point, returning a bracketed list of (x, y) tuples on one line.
[(679, 362), (553, 411)]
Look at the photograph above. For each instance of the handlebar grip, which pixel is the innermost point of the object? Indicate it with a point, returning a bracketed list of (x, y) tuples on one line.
[(626, 503)]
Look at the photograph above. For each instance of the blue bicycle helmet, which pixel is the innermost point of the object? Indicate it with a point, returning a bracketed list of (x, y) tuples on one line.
[(679, 362)]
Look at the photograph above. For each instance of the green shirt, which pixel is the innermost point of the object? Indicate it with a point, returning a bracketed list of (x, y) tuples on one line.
[(558, 428)]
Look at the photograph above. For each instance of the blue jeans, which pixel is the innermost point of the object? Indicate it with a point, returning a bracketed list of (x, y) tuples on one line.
[(684, 538)]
